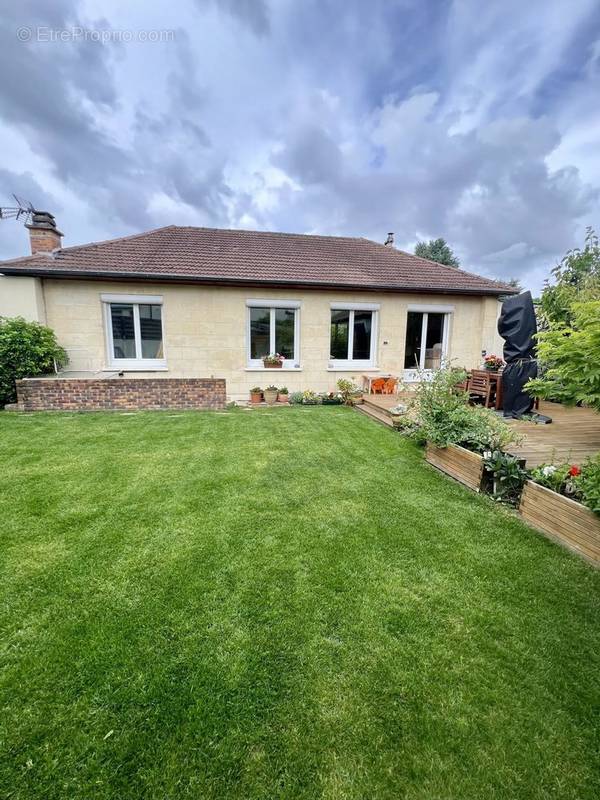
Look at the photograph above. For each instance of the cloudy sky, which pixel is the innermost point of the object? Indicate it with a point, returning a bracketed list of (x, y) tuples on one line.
[(475, 121)]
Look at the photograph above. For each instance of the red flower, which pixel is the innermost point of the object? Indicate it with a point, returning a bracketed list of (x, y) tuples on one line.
[(574, 471)]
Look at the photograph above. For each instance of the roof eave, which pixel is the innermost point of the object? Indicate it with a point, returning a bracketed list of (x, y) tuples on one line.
[(222, 281)]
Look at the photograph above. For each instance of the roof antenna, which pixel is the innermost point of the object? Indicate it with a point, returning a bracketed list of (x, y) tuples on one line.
[(390, 239), (23, 210)]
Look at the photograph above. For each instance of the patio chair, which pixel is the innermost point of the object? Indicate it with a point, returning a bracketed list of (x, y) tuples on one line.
[(480, 386), (462, 386), (377, 385)]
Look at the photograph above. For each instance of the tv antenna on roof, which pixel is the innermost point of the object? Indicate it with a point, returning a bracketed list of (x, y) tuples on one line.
[(23, 210)]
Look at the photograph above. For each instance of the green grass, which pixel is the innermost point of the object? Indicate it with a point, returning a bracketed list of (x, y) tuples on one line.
[(279, 604)]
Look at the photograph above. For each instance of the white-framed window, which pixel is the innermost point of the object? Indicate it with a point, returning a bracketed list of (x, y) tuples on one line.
[(426, 340), (353, 335), (134, 331), (273, 327)]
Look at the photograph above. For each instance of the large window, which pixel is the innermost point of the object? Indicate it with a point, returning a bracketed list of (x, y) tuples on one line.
[(134, 331), (353, 335), (426, 335), (273, 328)]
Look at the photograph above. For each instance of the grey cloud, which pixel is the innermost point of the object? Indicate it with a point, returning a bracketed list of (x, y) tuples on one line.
[(13, 240), (330, 117), (488, 191), (253, 13), (310, 156)]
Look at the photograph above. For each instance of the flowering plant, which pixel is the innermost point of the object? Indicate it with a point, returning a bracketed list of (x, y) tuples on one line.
[(331, 398), (493, 362), (561, 478), (310, 398), (274, 359)]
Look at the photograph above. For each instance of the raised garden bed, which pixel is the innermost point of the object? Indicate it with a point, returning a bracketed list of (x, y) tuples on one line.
[(462, 465), (562, 519)]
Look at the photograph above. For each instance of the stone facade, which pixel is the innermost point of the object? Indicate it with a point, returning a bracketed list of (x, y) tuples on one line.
[(120, 394), (206, 329)]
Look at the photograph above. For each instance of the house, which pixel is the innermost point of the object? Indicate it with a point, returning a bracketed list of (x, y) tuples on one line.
[(207, 304)]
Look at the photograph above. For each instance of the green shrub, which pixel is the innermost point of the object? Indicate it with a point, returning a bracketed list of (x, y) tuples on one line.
[(27, 349), (444, 416), (590, 484), (295, 398), (571, 359)]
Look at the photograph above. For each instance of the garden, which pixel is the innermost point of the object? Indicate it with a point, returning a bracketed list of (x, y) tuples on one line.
[(291, 604)]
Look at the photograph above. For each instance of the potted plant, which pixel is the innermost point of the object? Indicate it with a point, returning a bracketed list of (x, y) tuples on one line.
[(310, 398), (271, 395), (563, 502), (283, 395), (350, 393), (331, 399), (493, 363), (256, 394), (273, 361)]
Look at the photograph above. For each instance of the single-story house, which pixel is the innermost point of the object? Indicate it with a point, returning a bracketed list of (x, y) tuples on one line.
[(202, 303)]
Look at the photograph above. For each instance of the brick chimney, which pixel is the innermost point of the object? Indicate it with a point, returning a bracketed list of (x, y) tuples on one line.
[(44, 236)]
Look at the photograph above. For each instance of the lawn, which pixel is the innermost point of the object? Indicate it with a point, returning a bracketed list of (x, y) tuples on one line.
[(279, 604)]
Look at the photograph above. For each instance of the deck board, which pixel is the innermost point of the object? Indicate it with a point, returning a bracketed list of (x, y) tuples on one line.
[(573, 435)]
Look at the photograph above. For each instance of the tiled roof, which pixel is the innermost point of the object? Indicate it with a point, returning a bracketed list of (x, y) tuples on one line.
[(212, 255)]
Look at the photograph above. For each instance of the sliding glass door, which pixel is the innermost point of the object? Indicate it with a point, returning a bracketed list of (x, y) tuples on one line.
[(426, 334)]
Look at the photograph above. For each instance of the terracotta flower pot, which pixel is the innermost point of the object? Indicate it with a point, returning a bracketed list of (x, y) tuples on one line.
[(256, 397), (283, 398), (276, 365)]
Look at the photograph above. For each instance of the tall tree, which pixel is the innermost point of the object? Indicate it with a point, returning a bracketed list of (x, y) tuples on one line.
[(576, 280), (437, 250), (569, 339)]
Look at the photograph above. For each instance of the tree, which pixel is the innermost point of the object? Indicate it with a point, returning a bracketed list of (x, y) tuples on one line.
[(577, 280), (571, 354), (569, 340), (26, 349), (437, 250)]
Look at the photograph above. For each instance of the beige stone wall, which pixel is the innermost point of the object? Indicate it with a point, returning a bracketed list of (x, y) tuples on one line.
[(205, 330), (22, 297)]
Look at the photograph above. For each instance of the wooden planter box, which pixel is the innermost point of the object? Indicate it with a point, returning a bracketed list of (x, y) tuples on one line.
[(562, 519), (462, 465)]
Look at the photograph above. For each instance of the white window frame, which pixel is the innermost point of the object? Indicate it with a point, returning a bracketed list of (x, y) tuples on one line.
[(358, 363), (135, 300), (273, 305), (413, 375)]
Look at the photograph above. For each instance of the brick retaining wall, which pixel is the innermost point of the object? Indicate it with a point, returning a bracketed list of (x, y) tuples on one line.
[(120, 394)]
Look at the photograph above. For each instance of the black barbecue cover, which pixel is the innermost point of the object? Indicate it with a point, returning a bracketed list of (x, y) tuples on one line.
[(517, 326)]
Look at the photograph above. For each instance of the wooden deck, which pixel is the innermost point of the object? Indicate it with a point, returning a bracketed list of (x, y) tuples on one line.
[(573, 435)]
